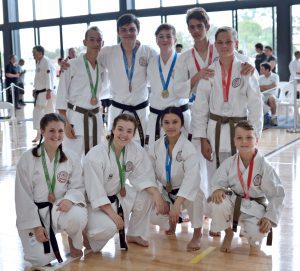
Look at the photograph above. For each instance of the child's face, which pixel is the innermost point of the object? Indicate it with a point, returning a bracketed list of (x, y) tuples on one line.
[(171, 124), (165, 39), (245, 140), (225, 44), (93, 40), (197, 29), (53, 133)]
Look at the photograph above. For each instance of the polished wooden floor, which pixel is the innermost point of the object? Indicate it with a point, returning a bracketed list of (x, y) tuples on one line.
[(164, 252)]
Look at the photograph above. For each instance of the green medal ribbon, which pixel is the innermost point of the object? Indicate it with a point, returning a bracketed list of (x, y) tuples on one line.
[(51, 184), (122, 168), (93, 88)]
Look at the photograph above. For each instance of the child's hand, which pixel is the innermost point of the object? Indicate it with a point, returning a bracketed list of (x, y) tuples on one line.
[(264, 225), (218, 196)]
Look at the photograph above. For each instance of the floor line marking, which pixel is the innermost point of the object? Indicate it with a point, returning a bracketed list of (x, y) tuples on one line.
[(203, 254)]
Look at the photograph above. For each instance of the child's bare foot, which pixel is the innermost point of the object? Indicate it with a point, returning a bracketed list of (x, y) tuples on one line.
[(138, 240), (172, 229), (75, 252), (226, 245), (86, 242), (194, 244), (214, 234), (255, 251)]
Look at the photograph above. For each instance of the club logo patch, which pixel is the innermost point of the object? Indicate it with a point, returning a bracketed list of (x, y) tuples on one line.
[(143, 61), (179, 156), (257, 180), (129, 166), (63, 176), (236, 82)]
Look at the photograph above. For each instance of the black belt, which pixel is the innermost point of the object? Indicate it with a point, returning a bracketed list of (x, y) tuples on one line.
[(120, 212), (174, 193), (237, 212), (36, 93), (158, 112), (133, 109), (54, 245), (88, 113), (223, 120)]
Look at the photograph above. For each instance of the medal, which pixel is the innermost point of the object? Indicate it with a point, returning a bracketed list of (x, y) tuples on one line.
[(165, 93), (123, 191), (168, 187), (51, 197), (94, 100)]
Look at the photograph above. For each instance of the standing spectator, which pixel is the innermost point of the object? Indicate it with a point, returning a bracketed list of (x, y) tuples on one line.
[(20, 83), (11, 76), (260, 57), (271, 58), (294, 67), (43, 87), (268, 84), (71, 53), (179, 48)]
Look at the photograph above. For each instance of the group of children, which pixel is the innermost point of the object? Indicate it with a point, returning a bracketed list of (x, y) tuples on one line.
[(128, 186)]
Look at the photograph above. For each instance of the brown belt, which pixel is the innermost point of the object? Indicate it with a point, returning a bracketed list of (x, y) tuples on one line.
[(224, 120), (87, 113), (36, 94), (237, 212)]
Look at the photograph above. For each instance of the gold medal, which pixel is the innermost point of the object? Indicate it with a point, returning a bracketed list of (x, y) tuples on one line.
[(168, 187), (165, 93), (123, 191), (94, 100), (51, 197)]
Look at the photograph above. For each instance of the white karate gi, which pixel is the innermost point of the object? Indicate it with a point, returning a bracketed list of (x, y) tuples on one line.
[(156, 99), (185, 176), (244, 99), (43, 79), (294, 68), (265, 183), (264, 81), (31, 187), (74, 87), (101, 176), (111, 58)]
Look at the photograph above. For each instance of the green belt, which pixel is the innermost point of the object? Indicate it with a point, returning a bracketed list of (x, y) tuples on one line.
[(87, 113)]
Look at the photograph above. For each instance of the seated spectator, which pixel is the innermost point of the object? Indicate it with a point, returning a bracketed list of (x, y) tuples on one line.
[(268, 83), (271, 59), (260, 57)]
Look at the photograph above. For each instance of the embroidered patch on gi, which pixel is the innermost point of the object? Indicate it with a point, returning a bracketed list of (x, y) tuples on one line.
[(236, 82), (179, 156), (129, 166), (143, 61), (62, 176), (257, 180), (110, 176)]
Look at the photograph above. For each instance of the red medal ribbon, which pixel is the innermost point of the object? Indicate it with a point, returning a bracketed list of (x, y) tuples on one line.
[(226, 82), (211, 48), (249, 180)]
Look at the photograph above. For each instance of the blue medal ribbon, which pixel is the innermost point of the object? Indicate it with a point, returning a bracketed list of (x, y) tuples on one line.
[(165, 84), (130, 72), (168, 163)]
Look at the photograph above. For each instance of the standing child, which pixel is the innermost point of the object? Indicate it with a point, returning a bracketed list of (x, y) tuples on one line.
[(252, 181)]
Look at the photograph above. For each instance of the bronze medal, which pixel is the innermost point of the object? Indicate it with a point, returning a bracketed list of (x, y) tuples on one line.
[(51, 197), (123, 191), (94, 100), (168, 187), (165, 93)]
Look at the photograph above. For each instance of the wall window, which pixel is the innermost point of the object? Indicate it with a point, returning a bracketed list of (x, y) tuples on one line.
[(25, 10), (74, 8), (170, 3), (46, 9), (295, 28), (100, 6), (255, 25), (1, 13), (148, 28), (50, 40), (71, 40), (143, 4), (109, 31)]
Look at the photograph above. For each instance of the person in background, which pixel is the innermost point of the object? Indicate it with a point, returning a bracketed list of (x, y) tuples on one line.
[(21, 78), (260, 56), (71, 53), (271, 59), (179, 48), (11, 76), (294, 67)]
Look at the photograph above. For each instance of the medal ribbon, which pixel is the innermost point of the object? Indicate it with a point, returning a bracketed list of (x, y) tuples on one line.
[(122, 168), (130, 72), (50, 184), (93, 88), (165, 84), (211, 48), (249, 179), (168, 163), (226, 82)]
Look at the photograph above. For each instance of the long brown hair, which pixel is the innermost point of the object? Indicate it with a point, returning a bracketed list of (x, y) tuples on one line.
[(43, 124)]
